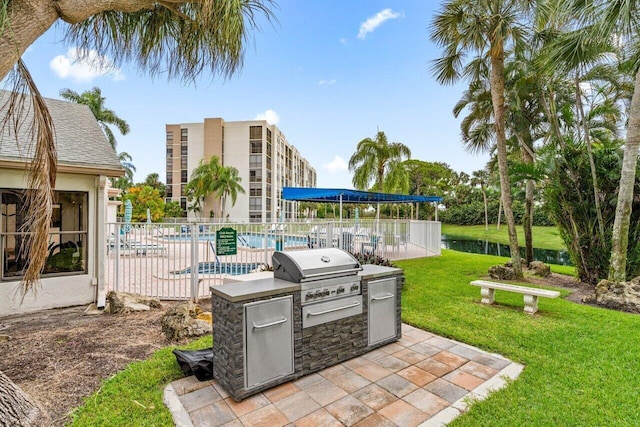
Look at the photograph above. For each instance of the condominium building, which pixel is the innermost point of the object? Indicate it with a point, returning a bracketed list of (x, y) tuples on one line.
[(266, 163)]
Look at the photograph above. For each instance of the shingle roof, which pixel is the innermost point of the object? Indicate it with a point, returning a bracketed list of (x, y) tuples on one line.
[(80, 142)]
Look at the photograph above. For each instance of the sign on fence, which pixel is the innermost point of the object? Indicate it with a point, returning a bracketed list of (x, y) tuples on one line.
[(226, 241)]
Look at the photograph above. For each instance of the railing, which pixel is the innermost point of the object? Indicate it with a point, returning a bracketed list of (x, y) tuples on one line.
[(181, 261)]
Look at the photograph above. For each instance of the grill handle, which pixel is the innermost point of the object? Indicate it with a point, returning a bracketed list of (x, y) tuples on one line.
[(318, 313), (382, 298), (341, 273), (266, 325)]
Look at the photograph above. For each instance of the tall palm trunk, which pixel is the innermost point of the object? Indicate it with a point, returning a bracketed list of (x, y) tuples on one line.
[(527, 220), (592, 164), (620, 237), (486, 208), (497, 97)]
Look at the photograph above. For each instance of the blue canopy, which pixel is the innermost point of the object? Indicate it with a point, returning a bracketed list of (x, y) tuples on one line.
[(304, 194)]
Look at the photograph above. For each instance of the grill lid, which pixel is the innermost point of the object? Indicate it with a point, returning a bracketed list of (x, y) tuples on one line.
[(313, 264)]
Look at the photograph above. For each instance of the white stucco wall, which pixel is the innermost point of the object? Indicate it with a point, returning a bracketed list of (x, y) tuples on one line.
[(61, 291), (236, 154)]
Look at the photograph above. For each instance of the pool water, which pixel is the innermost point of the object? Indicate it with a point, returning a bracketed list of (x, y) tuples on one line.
[(213, 267), (248, 240)]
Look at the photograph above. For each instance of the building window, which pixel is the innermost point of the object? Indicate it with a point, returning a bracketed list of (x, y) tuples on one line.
[(169, 136), (183, 162), (255, 132), (169, 178), (67, 234), (255, 190), (256, 147), (255, 175), (255, 203), (183, 203), (169, 192), (255, 217), (255, 161), (183, 189), (184, 177), (184, 149), (184, 135), (169, 151)]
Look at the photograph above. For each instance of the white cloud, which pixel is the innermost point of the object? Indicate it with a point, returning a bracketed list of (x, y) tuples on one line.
[(375, 21), (344, 41), (327, 82), (336, 165), (270, 116), (84, 66)]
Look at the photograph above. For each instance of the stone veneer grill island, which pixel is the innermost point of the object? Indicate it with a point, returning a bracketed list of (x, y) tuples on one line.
[(312, 348)]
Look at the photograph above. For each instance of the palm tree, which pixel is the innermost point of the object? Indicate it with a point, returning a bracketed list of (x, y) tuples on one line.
[(379, 161), (484, 28), (125, 182), (480, 178), (227, 184), (203, 182), (95, 101)]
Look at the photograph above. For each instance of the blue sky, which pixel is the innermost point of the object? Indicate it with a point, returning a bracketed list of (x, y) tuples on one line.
[(328, 74)]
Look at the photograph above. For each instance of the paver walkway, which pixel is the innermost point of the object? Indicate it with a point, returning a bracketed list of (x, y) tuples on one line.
[(420, 380)]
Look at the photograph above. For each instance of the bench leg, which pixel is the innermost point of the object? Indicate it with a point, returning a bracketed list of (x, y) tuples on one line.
[(530, 304), (488, 295)]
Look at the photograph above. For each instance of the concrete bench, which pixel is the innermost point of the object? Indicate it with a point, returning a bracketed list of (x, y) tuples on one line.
[(487, 290)]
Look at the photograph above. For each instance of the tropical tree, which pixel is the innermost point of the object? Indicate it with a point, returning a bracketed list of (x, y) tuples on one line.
[(484, 28), (227, 184), (95, 101), (178, 39), (480, 178), (142, 198), (378, 161), (126, 181), (153, 181), (202, 183)]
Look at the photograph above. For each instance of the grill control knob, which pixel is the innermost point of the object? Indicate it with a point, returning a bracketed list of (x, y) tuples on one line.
[(309, 295), (326, 293), (340, 289), (317, 294), (354, 287)]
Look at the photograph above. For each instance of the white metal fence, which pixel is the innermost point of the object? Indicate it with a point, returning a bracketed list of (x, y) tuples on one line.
[(181, 261)]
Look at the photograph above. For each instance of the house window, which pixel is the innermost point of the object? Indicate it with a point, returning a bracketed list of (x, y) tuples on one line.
[(67, 252)]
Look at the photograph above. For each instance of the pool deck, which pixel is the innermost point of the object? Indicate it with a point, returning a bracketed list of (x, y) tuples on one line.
[(420, 380)]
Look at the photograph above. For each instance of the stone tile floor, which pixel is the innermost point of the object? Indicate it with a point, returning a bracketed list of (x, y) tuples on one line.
[(420, 380)]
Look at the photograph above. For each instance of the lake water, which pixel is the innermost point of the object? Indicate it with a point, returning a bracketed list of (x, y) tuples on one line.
[(548, 256)]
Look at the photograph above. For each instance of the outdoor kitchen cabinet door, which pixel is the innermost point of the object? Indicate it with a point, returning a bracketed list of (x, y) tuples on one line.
[(268, 327), (382, 310)]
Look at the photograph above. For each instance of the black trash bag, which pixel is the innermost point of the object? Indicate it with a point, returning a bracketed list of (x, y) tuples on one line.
[(196, 362)]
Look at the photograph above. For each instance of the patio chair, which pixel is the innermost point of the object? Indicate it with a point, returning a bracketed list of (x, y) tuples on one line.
[(370, 246)]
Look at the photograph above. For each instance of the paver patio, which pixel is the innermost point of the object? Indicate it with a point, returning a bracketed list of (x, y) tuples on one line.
[(421, 380)]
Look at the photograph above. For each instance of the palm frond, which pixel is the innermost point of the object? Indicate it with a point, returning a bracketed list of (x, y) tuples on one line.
[(42, 171)]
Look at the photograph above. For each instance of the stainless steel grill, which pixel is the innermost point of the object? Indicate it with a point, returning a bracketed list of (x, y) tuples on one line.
[(314, 264), (329, 282)]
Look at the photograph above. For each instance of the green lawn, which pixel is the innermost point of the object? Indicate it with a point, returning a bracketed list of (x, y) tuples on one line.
[(543, 237), (581, 362)]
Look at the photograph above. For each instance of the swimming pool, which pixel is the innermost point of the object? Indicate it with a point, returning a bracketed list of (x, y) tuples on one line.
[(214, 267), (246, 240)]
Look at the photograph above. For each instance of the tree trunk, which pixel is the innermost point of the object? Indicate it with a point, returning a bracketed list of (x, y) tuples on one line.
[(592, 163), (497, 97), (17, 409), (620, 236), (527, 221), (486, 209), (499, 214)]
